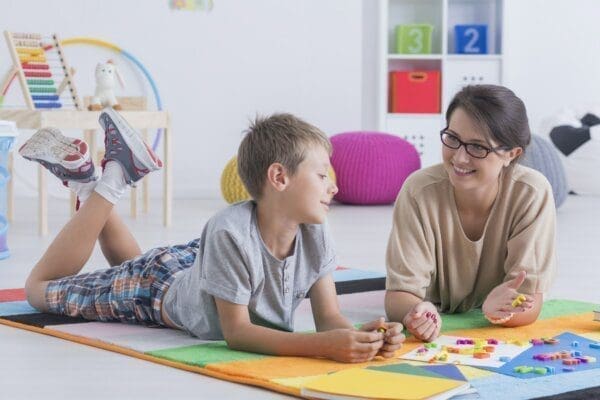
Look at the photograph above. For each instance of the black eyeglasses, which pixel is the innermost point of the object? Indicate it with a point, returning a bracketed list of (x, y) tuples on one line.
[(473, 149)]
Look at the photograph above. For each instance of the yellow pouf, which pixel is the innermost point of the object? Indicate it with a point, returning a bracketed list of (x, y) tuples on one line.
[(232, 187)]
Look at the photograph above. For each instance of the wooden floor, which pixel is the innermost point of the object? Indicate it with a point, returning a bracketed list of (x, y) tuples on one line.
[(36, 366)]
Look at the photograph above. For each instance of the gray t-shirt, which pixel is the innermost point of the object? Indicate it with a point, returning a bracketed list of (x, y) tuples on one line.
[(233, 264)]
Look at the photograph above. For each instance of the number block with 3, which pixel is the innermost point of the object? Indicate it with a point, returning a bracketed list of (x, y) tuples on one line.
[(413, 39), (470, 39)]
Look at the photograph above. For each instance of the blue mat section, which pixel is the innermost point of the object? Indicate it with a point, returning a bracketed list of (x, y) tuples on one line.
[(503, 387), (526, 358), (16, 308)]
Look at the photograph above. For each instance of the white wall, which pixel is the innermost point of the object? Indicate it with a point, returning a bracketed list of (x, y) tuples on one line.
[(552, 54), (215, 70), (315, 58)]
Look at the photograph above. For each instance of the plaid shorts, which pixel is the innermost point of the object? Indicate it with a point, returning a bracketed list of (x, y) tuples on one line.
[(131, 292)]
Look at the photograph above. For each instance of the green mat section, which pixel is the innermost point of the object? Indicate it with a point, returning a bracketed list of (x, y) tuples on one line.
[(203, 354), (550, 309)]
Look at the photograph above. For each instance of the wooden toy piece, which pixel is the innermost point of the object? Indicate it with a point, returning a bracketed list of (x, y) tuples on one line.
[(564, 354), (504, 359), (590, 359), (575, 343), (551, 341), (517, 342), (523, 369), (576, 354), (481, 355), (430, 345), (595, 345), (422, 350), (540, 370), (518, 300), (467, 350), (537, 342), (568, 369), (550, 369), (489, 349), (571, 361), (381, 329), (492, 341), (453, 350)]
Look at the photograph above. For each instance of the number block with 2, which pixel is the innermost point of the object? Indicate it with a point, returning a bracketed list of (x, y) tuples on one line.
[(470, 39)]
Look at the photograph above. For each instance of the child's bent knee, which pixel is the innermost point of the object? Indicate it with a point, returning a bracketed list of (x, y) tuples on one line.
[(36, 294)]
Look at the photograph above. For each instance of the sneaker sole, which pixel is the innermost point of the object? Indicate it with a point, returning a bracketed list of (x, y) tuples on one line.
[(49, 145), (133, 140)]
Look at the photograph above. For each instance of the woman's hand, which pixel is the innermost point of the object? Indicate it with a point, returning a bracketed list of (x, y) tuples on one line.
[(499, 303), (423, 321)]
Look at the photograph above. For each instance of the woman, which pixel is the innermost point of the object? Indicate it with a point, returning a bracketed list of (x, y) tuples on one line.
[(477, 230)]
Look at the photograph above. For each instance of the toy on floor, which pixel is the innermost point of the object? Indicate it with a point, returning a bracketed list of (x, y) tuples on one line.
[(8, 134), (468, 351), (106, 76), (549, 356)]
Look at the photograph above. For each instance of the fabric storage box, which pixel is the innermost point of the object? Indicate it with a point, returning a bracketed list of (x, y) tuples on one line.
[(414, 92)]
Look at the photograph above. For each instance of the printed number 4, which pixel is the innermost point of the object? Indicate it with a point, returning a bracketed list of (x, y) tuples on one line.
[(416, 44), (474, 37)]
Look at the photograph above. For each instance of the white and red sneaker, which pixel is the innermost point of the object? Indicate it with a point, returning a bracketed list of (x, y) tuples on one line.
[(67, 158), (124, 145)]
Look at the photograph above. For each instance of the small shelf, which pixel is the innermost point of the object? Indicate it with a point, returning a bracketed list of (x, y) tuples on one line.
[(455, 70), (397, 56), (474, 57)]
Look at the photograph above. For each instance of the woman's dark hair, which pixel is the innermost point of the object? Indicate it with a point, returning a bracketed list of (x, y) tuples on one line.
[(497, 111)]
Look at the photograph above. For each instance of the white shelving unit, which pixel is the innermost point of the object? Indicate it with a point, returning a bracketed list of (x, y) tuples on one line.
[(456, 70)]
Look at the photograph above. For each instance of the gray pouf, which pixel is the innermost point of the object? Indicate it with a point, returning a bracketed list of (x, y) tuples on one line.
[(542, 156)]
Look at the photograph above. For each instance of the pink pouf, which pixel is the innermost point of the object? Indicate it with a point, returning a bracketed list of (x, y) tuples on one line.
[(371, 167)]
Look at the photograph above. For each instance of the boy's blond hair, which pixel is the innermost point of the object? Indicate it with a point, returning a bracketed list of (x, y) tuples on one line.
[(280, 138)]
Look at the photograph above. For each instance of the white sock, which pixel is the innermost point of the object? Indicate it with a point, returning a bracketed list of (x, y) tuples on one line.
[(112, 184), (82, 190)]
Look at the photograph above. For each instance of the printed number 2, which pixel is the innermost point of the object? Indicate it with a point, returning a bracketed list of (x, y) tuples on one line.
[(416, 44), (474, 37)]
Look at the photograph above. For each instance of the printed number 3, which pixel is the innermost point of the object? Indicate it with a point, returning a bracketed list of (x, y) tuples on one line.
[(416, 44), (474, 37)]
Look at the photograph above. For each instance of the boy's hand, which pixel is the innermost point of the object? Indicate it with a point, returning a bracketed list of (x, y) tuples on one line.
[(392, 335), (499, 303), (350, 345), (423, 321)]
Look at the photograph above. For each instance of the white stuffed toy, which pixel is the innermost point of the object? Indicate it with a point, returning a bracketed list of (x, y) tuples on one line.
[(104, 96)]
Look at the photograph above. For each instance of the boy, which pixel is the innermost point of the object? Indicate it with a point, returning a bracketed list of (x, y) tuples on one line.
[(241, 280)]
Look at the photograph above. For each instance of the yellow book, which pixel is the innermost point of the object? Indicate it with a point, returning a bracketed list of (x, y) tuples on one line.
[(359, 383)]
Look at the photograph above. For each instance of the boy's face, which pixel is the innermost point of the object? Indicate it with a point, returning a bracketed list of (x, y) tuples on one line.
[(311, 188)]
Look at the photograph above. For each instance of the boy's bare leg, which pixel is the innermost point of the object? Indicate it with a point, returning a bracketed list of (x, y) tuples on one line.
[(117, 242), (70, 250), (127, 160)]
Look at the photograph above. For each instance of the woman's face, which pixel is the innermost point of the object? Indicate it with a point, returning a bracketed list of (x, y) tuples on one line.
[(465, 171)]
